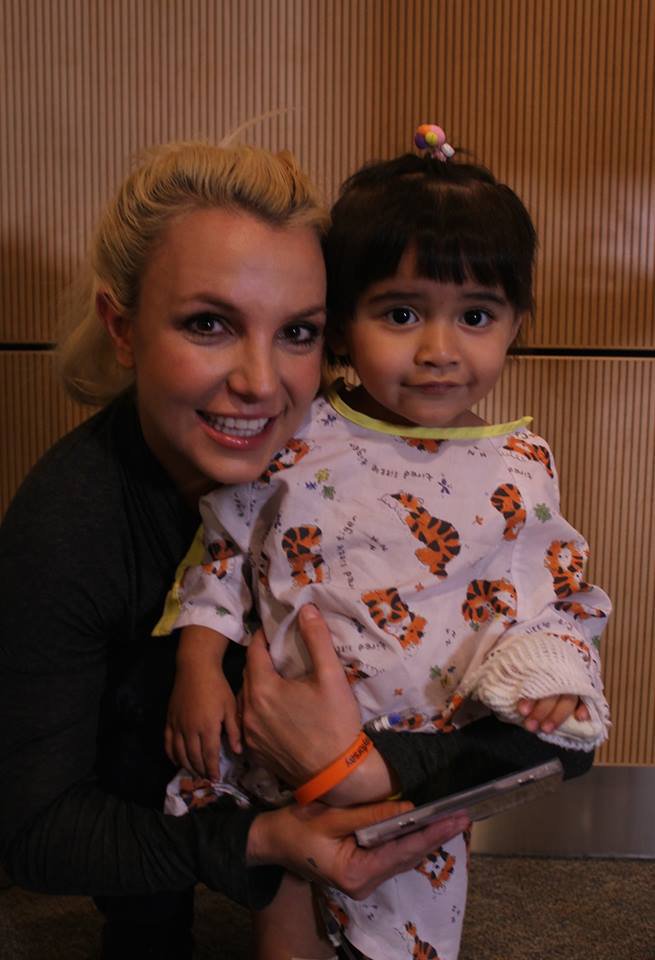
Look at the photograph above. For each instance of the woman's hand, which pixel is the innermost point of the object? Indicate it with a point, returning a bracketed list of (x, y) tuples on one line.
[(298, 727), (317, 842)]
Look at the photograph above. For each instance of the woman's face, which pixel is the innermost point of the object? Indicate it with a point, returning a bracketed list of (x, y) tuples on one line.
[(226, 344)]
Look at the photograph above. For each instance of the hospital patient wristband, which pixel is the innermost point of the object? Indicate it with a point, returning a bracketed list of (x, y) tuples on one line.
[(337, 771)]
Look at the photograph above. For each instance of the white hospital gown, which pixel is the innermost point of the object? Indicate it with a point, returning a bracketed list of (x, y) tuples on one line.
[(448, 579)]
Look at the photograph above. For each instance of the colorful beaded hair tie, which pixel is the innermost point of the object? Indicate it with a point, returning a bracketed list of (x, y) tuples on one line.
[(431, 138)]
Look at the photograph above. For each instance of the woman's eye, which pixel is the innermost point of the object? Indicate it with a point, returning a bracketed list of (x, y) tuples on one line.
[(477, 318), (205, 324), (402, 316), (302, 334)]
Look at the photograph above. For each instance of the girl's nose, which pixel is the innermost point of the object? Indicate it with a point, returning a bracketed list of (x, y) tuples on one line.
[(254, 376), (438, 345)]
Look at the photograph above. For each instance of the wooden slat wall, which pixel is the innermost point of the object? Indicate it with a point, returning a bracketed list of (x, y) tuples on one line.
[(556, 96), (599, 417)]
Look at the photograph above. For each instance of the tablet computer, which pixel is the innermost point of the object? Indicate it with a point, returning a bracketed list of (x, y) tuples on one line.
[(479, 802)]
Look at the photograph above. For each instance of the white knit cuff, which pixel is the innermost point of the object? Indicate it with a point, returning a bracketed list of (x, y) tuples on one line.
[(538, 666)]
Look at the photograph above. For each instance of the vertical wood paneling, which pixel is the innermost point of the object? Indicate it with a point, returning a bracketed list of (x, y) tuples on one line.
[(556, 96), (599, 417)]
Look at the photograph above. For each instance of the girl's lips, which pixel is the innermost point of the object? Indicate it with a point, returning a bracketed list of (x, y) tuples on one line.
[(438, 387)]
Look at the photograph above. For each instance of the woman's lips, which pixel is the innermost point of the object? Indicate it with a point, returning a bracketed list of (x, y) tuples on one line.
[(239, 433)]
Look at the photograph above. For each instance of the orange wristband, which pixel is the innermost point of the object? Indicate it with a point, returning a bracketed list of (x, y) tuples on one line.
[(337, 771)]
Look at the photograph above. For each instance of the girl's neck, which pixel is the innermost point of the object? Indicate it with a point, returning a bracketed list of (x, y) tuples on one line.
[(360, 400)]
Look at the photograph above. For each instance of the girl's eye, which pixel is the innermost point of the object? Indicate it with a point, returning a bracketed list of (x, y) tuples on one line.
[(477, 318), (205, 324), (402, 316), (302, 334)]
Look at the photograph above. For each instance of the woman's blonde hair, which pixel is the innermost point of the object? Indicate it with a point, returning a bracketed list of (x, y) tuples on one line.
[(169, 181)]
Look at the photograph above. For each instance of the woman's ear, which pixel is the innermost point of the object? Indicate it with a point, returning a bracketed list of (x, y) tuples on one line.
[(119, 328)]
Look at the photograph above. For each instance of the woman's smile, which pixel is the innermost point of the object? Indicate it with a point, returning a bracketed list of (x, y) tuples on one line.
[(226, 345)]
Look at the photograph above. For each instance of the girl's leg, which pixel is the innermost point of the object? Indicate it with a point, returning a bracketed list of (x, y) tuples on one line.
[(290, 928)]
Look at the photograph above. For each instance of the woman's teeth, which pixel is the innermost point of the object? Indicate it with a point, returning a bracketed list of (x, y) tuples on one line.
[(235, 426)]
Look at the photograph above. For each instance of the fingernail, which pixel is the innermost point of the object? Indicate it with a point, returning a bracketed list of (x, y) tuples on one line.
[(309, 612)]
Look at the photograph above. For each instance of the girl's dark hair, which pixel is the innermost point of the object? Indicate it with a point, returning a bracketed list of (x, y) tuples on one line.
[(461, 221)]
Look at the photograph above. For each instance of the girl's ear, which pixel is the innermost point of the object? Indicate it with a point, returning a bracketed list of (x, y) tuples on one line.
[(519, 320), (119, 328), (336, 340)]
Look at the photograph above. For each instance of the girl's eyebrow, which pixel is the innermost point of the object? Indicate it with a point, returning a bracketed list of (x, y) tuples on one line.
[(490, 295), (388, 295), (483, 294)]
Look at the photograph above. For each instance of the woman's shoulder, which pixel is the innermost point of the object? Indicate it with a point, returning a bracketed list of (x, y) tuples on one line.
[(79, 478)]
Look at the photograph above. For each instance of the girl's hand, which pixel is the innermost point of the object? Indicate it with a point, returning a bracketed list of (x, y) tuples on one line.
[(317, 842), (202, 703), (549, 713)]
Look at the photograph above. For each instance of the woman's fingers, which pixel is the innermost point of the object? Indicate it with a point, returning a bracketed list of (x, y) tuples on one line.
[(318, 843), (318, 640)]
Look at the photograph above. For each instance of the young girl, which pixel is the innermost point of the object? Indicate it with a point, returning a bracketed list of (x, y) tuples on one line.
[(431, 541)]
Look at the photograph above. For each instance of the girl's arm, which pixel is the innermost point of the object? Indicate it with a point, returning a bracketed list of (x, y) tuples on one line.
[(202, 704)]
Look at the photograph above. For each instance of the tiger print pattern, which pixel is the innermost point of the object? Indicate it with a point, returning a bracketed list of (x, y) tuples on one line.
[(530, 451), (507, 500), (422, 949), (566, 561), (287, 457), (390, 613), (441, 539), (355, 671), (424, 444), (488, 599), (302, 548), (221, 552), (437, 867)]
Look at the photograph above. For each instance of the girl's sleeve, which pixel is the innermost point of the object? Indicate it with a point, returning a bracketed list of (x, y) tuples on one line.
[(211, 588), (554, 619)]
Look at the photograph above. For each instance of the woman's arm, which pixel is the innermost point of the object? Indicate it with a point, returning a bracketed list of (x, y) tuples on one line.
[(300, 726)]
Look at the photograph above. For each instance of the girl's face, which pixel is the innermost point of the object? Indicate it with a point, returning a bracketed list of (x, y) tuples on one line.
[(225, 345), (427, 351)]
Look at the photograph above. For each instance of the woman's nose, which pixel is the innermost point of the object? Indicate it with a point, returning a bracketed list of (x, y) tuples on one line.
[(254, 375), (438, 345)]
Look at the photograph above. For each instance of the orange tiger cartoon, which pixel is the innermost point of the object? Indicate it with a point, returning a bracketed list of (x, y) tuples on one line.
[(580, 645), (355, 670), (438, 867), (301, 545), (530, 451), (441, 539), (422, 949), (424, 444), (565, 561), (442, 719), (390, 613), (488, 599), (221, 552), (508, 501), (288, 456)]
